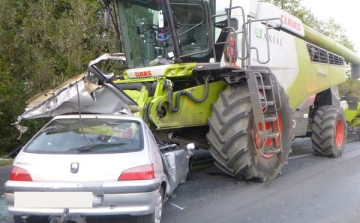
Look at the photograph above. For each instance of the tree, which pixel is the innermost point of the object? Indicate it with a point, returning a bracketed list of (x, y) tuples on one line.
[(43, 43), (335, 31), (329, 28)]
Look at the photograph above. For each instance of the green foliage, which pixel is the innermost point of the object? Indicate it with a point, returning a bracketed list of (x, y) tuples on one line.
[(44, 43), (6, 162), (350, 88), (335, 31), (329, 28), (137, 15), (291, 6)]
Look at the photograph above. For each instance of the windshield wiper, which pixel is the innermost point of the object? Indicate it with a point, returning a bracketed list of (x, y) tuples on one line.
[(98, 146)]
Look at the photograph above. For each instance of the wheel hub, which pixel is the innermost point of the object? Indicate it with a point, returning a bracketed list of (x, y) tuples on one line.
[(158, 208), (339, 133), (268, 143)]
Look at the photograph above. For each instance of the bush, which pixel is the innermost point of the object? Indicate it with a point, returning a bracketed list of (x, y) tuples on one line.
[(43, 43)]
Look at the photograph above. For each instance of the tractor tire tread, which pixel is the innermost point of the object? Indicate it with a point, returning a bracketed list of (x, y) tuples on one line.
[(322, 138)]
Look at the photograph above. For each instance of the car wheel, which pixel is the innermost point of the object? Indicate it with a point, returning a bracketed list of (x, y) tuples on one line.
[(31, 219), (156, 216)]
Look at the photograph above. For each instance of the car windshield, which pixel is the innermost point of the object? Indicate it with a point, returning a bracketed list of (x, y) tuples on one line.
[(89, 135)]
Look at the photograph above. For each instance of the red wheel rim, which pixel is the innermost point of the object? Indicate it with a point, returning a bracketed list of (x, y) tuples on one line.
[(339, 133), (269, 142)]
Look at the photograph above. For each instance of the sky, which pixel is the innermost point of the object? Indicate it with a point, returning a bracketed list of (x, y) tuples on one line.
[(345, 12)]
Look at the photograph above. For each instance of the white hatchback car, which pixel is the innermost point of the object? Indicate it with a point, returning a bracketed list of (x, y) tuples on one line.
[(94, 165)]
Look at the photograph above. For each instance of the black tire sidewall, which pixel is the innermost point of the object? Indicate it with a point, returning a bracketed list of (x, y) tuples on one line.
[(265, 165), (321, 133)]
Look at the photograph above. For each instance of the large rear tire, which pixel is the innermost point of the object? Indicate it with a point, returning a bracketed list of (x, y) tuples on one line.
[(329, 131), (232, 139)]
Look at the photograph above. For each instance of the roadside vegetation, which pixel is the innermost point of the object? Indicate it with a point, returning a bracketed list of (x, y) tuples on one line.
[(45, 42), (329, 28), (6, 162)]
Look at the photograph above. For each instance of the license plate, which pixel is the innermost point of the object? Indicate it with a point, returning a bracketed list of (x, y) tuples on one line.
[(53, 199)]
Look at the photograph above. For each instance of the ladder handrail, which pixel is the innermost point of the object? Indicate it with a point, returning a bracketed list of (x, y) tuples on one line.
[(267, 39)]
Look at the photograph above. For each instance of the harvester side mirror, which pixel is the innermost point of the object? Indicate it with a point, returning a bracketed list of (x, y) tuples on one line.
[(106, 19)]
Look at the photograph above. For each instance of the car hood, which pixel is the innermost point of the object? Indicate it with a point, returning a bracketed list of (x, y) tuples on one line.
[(90, 167), (65, 99)]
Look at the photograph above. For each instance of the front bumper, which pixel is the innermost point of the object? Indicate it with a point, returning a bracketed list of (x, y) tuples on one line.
[(116, 198)]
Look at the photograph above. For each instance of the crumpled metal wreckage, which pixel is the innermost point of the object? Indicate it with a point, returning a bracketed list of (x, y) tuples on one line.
[(81, 94), (74, 96)]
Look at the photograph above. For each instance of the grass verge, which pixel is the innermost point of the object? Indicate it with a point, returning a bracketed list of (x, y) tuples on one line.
[(6, 162)]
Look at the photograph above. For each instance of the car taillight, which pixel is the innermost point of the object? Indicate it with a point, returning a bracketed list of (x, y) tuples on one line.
[(145, 172), (19, 174)]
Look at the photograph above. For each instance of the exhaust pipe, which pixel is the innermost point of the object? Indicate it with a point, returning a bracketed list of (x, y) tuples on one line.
[(67, 218)]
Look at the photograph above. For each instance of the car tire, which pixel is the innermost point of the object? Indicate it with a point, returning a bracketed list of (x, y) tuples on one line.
[(31, 219), (156, 216)]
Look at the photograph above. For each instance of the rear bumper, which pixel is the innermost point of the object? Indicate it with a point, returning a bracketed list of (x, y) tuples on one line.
[(114, 199)]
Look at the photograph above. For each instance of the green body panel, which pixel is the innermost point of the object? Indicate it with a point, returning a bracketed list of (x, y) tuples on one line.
[(180, 70), (352, 116), (159, 92), (354, 123), (316, 38), (128, 80), (313, 77), (141, 97), (190, 113)]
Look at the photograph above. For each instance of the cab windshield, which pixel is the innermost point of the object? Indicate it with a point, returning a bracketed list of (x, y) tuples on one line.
[(147, 25)]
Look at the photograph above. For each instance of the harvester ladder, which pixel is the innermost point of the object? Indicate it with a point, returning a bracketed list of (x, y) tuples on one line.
[(266, 103)]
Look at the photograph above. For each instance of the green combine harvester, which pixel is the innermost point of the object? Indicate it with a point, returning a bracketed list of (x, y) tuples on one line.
[(239, 78)]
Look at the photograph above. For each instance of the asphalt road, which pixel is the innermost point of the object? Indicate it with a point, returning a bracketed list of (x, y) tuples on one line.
[(310, 189)]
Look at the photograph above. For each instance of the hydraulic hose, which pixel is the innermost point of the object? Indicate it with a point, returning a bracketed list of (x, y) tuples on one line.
[(182, 92)]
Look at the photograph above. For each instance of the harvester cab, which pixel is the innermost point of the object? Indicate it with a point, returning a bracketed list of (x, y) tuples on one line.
[(162, 33)]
